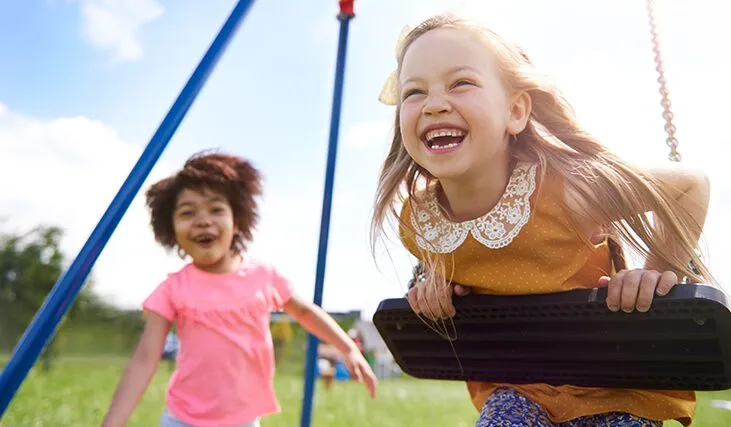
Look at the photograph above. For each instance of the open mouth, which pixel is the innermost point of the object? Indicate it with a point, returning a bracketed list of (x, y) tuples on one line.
[(205, 239), (443, 139)]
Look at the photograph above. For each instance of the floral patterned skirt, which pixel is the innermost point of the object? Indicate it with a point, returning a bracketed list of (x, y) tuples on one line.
[(508, 408)]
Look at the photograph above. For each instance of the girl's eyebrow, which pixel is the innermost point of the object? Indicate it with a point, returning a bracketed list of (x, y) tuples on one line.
[(450, 71), (183, 204), (210, 199)]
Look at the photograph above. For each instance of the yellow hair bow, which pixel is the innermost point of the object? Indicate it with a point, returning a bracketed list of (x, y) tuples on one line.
[(389, 93)]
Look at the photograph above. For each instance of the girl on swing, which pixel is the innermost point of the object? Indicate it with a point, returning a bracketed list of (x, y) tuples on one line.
[(507, 194)]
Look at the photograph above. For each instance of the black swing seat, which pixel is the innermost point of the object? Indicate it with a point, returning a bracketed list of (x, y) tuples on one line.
[(682, 343)]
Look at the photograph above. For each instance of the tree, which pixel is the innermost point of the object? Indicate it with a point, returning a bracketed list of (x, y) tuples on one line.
[(30, 264)]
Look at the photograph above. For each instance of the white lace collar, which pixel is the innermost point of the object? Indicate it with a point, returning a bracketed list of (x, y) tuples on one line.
[(495, 229)]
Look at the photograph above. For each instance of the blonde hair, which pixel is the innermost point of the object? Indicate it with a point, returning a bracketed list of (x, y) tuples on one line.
[(553, 137)]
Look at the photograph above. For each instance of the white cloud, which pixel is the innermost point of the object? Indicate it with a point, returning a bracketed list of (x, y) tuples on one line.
[(65, 172), (608, 76), (368, 134), (114, 25)]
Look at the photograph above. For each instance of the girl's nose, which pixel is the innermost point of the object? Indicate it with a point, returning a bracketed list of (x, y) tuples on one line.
[(202, 221), (436, 104)]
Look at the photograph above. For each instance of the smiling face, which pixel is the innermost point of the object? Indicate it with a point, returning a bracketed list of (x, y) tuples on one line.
[(204, 228), (454, 110)]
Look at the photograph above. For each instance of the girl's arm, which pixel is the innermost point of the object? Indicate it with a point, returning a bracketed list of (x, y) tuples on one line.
[(139, 371), (692, 190), (324, 327), (635, 289)]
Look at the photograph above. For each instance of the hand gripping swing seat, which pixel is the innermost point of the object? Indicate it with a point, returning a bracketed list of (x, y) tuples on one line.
[(682, 343)]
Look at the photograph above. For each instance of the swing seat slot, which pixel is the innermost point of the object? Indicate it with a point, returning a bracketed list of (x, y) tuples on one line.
[(682, 343)]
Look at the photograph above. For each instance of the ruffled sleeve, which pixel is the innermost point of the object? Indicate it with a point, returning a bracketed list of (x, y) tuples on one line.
[(280, 291), (160, 301)]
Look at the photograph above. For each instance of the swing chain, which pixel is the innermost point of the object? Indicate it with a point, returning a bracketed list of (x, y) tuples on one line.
[(667, 114)]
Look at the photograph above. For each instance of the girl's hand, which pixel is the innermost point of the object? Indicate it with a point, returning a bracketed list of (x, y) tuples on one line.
[(630, 289), (361, 370), (435, 303)]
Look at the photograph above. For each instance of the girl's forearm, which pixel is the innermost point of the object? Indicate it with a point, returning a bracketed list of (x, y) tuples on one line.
[(135, 380), (694, 200), (324, 327)]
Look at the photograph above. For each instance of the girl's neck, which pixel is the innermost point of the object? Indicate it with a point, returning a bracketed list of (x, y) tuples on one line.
[(231, 262), (475, 195)]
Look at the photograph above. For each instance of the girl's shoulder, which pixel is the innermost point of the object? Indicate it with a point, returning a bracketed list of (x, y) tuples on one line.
[(191, 282), (255, 282)]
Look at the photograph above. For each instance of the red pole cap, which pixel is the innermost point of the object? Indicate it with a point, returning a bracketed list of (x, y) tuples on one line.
[(346, 8)]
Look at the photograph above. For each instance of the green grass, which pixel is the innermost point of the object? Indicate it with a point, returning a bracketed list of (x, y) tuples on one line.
[(77, 391)]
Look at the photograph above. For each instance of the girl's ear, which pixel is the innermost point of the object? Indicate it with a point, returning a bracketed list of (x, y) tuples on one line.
[(520, 109), (237, 243)]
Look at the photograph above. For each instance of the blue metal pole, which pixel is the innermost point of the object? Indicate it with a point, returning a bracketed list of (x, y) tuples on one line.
[(66, 289), (344, 17)]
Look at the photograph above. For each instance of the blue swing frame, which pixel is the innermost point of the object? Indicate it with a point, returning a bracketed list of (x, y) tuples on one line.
[(68, 286)]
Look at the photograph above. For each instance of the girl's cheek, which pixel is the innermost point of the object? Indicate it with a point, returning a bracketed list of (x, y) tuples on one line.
[(408, 118)]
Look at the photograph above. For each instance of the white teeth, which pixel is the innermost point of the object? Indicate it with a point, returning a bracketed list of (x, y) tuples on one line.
[(443, 132), (444, 147)]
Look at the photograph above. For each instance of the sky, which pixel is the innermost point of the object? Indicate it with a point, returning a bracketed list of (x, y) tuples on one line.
[(85, 83)]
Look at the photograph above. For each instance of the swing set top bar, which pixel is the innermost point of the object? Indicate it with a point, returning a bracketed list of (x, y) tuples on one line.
[(66, 289), (346, 8)]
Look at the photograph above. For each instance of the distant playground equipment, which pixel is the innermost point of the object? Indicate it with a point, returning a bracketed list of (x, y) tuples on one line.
[(67, 288), (667, 330), (330, 365)]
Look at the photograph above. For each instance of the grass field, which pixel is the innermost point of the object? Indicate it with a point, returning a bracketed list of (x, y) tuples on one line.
[(76, 394)]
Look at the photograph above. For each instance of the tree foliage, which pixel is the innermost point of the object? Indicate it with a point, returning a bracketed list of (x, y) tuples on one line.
[(30, 264)]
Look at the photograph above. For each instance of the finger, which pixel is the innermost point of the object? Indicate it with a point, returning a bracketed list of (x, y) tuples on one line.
[(371, 383), (614, 290), (603, 281), (630, 287), (668, 280), (646, 291), (357, 373), (435, 299), (445, 301), (460, 290), (425, 297), (413, 297)]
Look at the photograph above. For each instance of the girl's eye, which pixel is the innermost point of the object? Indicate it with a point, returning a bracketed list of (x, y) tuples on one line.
[(410, 92), (462, 83), (185, 213)]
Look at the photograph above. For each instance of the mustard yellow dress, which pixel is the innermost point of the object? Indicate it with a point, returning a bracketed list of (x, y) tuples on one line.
[(529, 244)]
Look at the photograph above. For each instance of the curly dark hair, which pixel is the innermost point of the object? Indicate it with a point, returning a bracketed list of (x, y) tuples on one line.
[(233, 177)]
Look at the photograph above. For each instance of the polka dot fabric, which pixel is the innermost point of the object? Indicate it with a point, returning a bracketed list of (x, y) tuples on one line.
[(547, 255)]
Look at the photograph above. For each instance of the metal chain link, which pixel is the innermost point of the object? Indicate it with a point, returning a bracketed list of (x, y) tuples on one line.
[(672, 141), (667, 114)]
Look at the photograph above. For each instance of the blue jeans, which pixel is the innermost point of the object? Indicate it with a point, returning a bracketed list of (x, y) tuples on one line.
[(508, 408), (169, 420)]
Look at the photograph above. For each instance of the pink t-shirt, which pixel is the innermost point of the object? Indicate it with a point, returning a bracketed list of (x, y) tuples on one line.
[(225, 365)]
